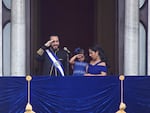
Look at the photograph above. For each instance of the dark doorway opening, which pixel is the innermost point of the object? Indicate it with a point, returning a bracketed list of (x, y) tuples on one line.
[(73, 20), (80, 23)]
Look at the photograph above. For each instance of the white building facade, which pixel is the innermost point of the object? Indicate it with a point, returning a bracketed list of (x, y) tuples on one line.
[(14, 55)]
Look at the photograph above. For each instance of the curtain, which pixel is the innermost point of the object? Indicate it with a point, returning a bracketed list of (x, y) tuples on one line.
[(74, 94)]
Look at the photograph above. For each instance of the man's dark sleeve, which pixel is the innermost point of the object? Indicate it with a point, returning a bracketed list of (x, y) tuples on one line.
[(40, 52)]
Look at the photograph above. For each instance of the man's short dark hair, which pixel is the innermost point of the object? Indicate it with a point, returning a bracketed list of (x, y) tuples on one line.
[(53, 34)]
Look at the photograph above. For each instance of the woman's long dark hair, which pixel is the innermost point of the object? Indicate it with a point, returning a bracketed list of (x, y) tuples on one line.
[(101, 53)]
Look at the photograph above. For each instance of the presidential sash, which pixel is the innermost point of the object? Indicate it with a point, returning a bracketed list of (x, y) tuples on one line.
[(55, 61)]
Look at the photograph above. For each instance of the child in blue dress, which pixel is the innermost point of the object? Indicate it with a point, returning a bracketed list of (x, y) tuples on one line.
[(78, 62)]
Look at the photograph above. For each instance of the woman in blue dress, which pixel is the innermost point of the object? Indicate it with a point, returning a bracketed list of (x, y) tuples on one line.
[(98, 62), (78, 63)]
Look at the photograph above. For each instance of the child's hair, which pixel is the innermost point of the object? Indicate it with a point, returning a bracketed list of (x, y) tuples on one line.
[(78, 51)]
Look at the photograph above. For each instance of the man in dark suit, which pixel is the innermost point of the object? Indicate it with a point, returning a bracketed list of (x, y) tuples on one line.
[(49, 67)]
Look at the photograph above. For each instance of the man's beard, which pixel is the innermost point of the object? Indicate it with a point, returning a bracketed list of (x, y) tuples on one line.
[(55, 47)]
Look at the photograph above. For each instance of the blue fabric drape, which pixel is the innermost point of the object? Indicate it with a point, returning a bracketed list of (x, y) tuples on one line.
[(74, 94)]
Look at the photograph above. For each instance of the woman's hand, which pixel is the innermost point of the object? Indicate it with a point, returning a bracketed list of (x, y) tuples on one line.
[(87, 74)]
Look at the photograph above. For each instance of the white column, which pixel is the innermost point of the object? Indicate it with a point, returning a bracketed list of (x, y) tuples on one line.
[(131, 37), (18, 40), (1, 46), (148, 48), (142, 50)]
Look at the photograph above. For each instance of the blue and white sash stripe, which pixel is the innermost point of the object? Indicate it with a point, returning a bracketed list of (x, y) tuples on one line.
[(56, 63)]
